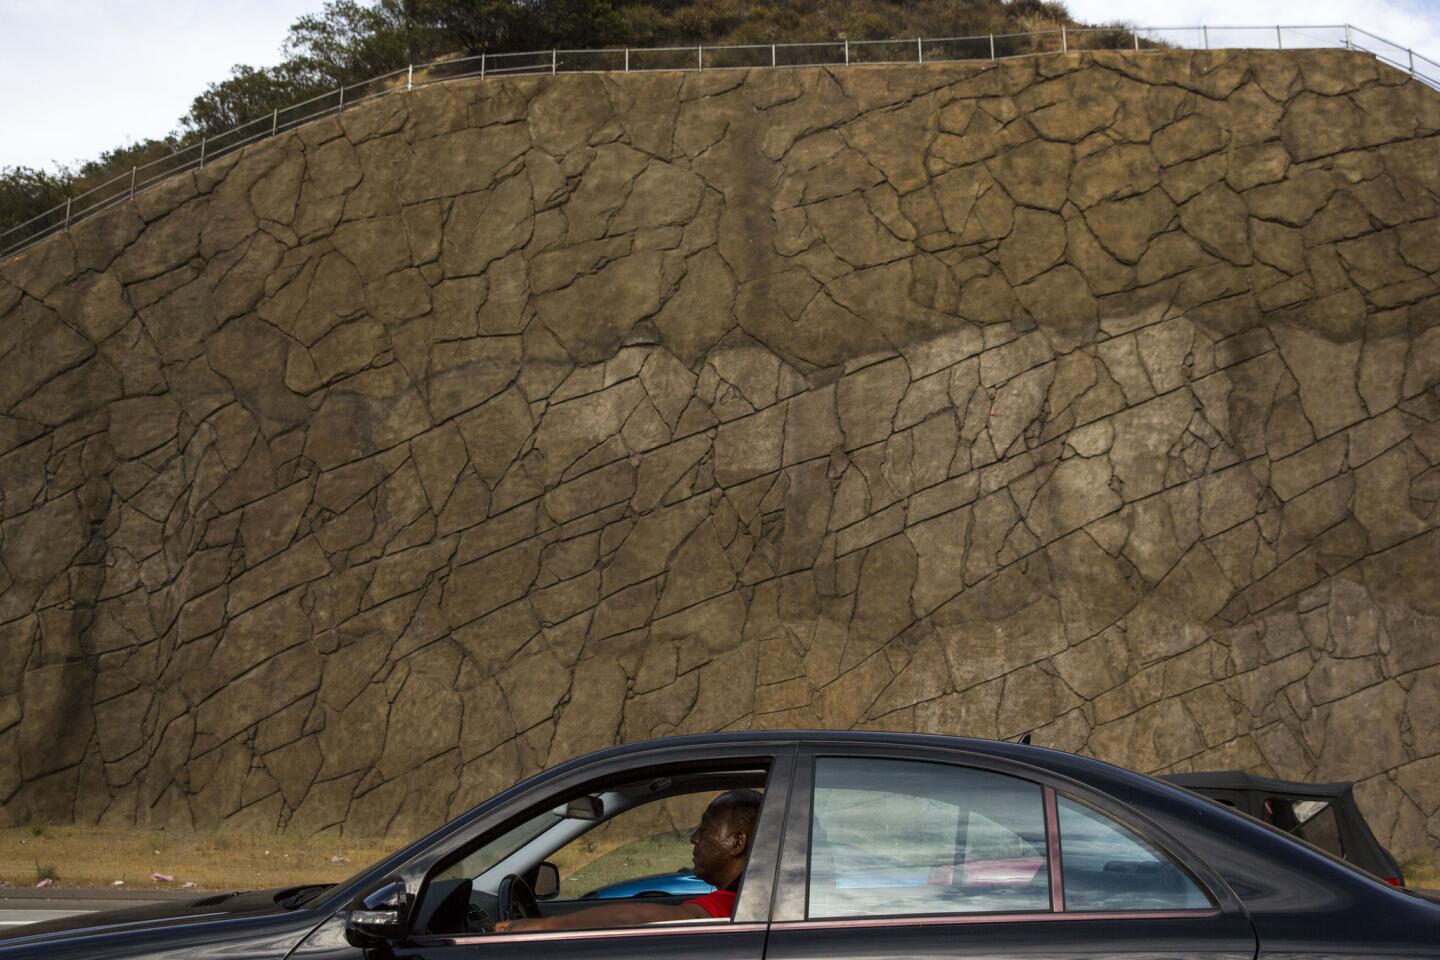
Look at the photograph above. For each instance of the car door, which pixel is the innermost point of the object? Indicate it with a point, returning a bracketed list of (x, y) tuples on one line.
[(743, 938), (925, 853)]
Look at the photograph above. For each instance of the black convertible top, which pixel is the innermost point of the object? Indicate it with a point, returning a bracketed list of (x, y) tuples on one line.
[(1248, 792)]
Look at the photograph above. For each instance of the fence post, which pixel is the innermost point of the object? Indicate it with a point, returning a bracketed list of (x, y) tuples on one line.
[(342, 97), (1136, 35), (1348, 44), (202, 153), (275, 121), (772, 54), (1279, 45), (627, 59), (1064, 40), (992, 46), (482, 64), (554, 62), (67, 213), (133, 172), (847, 51), (410, 77), (1412, 61), (699, 57), (919, 51)]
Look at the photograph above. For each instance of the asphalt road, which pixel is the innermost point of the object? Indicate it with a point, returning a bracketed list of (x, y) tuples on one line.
[(33, 906)]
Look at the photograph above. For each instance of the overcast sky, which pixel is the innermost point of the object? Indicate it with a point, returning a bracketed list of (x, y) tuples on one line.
[(86, 75)]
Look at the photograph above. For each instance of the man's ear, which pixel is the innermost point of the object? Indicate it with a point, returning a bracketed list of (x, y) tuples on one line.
[(738, 843)]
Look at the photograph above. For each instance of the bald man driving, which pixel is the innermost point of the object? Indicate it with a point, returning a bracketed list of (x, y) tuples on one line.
[(720, 848)]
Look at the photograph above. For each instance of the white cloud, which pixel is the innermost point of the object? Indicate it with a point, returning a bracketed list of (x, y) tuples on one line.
[(87, 75)]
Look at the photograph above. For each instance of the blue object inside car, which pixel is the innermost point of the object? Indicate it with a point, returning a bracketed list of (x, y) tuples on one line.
[(677, 884)]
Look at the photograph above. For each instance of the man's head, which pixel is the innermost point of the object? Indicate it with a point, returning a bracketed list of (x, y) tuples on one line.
[(722, 840)]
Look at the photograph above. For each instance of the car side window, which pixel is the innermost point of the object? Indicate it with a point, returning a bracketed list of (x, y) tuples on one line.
[(898, 837), (1106, 866)]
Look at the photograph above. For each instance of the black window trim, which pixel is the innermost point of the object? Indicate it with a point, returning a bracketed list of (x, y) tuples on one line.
[(792, 879)]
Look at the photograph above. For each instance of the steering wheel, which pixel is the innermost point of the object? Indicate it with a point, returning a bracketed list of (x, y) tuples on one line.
[(516, 899)]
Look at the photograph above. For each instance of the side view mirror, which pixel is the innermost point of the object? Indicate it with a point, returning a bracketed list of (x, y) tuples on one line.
[(379, 915), (547, 881)]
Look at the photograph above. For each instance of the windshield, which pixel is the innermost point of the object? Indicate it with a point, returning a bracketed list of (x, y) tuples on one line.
[(478, 861)]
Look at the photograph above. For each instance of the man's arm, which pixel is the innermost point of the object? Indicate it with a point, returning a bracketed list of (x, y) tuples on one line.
[(607, 915)]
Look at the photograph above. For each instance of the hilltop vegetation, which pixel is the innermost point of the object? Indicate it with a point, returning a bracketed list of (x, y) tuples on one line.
[(350, 40)]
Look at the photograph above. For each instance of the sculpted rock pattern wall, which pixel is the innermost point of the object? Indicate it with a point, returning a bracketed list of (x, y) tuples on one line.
[(354, 477)]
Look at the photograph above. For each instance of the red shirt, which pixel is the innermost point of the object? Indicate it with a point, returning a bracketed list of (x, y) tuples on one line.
[(720, 904)]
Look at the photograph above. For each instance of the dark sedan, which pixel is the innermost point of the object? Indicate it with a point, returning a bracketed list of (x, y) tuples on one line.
[(866, 846)]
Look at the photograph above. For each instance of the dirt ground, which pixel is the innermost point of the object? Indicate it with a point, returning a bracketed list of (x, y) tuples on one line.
[(88, 857)]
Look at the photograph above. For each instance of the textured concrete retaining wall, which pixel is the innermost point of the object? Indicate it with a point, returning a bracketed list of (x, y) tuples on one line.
[(356, 476)]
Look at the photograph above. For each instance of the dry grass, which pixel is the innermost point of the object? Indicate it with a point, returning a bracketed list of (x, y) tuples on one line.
[(79, 857), (1422, 875)]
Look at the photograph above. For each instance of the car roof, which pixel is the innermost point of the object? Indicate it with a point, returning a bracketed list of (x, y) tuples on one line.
[(1056, 761), (1240, 780), (1003, 748), (1219, 779), (848, 736)]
